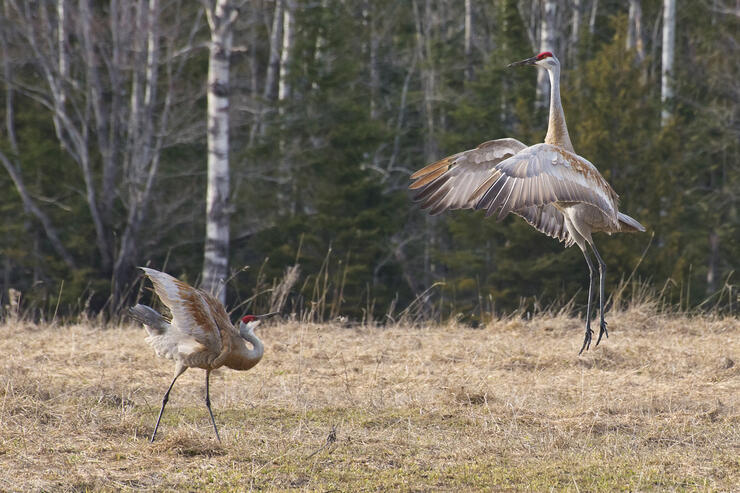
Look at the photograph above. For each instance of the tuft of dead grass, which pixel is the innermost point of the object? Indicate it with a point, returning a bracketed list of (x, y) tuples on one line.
[(506, 406)]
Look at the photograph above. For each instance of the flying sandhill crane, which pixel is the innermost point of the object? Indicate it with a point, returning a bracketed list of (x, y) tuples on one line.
[(200, 334), (555, 190)]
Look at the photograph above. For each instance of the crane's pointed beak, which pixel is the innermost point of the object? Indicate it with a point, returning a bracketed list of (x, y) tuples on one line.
[(528, 61), (266, 315)]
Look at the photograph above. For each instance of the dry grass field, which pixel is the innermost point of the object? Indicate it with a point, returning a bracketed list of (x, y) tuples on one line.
[(510, 406)]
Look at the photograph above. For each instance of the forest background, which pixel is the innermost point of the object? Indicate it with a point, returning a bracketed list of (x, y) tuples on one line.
[(331, 105)]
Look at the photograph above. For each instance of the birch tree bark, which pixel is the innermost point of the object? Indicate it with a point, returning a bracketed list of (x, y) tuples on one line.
[(548, 37), (273, 63), (634, 30), (575, 27), (423, 21), (221, 18), (272, 71), (592, 17), (668, 52), (371, 22), (468, 40), (287, 189)]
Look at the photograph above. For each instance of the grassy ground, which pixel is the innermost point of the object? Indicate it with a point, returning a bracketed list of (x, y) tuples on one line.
[(506, 407)]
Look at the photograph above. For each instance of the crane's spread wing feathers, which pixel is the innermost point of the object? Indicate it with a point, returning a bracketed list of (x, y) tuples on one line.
[(450, 182), (547, 219), (195, 313), (544, 174)]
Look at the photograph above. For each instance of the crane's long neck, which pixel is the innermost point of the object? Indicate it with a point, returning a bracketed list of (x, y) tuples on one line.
[(557, 130), (244, 358)]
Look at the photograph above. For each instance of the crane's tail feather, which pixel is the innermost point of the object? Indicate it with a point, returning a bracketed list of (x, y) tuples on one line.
[(629, 225), (150, 317)]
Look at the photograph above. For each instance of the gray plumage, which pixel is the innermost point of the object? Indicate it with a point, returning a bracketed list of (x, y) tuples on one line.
[(153, 321)]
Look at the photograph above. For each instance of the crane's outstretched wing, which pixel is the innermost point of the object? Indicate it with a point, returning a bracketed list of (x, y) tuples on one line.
[(194, 312), (547, 219), (543, 174), (450, 182)]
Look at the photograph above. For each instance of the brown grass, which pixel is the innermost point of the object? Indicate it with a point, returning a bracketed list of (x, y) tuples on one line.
[(507, 407)]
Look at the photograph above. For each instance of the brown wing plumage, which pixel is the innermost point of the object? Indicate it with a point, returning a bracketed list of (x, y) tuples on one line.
[(195, 313), (450, 182)]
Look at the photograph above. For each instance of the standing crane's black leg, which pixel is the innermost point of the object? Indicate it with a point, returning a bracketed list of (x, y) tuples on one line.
[(208, 404), (587, 339), (178, 371), (602, 280)]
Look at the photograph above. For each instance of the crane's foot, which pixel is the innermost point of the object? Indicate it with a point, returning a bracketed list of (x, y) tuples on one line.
[(586, 340), (602, 332)]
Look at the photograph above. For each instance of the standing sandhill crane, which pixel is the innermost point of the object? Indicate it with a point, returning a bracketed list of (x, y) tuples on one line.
[(555, 190), (200, 334)]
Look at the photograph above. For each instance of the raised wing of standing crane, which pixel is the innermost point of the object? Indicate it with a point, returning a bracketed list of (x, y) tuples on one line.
[(195, 313), (505, 174), (450, 182), (544, 174)]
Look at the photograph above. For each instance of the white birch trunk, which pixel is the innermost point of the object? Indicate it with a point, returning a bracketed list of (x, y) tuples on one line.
[(668, 53), (286, 196), (468, 40), (273, 63), (634, 30), (529, 13), (372, 14), (63, 64), (284, 88), (216, 255), (592, 18), (547, 43), (423, 21), (575, 30)]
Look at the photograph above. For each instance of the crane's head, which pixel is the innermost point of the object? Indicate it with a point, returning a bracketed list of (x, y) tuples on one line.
[(250, 322), (545, 60)]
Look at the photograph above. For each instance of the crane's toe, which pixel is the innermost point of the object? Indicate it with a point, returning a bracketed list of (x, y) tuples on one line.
[(602, 332), (586, 340)]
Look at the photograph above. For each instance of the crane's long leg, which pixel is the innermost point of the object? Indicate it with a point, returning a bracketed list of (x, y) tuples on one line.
[(179, 370), (208, 404), (602, 280), (587, 339)]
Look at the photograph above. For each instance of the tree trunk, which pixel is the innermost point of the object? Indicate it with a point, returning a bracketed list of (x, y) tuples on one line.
[(634, 30), (468, 40), (592, 18), (529, 18), (575, 30), (548, 40), (668, 54), (273, 63), (424, 53), (144, 156), (216, 256), (372, 22), (284, 87), (713, 264)]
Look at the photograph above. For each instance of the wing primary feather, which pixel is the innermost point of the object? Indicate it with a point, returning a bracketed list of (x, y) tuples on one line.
[(430, 189), (485, 186), (491, 194), (428, 178), (437, 197), (432, 167)]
